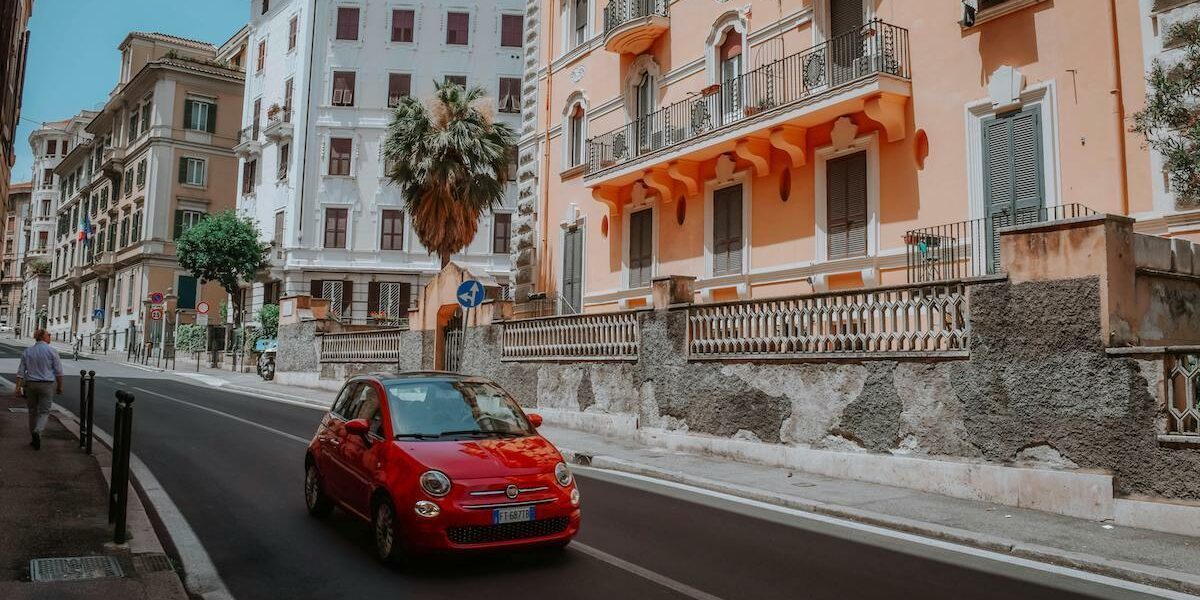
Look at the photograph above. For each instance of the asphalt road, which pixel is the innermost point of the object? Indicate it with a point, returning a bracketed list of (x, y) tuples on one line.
[(233, 464)]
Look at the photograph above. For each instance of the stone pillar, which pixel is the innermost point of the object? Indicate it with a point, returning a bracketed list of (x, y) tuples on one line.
[(525, 224), (672, 290)]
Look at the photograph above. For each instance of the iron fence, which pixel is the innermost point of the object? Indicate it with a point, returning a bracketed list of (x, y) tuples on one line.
[(362, 346), (620, 12), (878, 48), (1183, 394), (614, 336), (972, 248)]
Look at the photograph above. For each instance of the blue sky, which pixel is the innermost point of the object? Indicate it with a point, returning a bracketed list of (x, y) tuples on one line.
[(73, 59)]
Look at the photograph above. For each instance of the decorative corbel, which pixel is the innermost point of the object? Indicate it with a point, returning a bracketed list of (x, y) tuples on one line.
[(660, 181), (791, 140), (887, 110), (757, 152), (611, 197), (688, 173)]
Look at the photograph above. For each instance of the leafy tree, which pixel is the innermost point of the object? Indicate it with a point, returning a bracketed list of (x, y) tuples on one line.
[(223, 248), (38, 267), (268, 315), (1170, 121), (450, 159), (191, 337)]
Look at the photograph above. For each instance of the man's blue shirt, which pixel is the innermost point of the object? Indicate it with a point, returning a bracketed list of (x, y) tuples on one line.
[(40, 362)]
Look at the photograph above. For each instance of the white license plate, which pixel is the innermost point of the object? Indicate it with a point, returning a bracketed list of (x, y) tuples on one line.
[(512, 515)]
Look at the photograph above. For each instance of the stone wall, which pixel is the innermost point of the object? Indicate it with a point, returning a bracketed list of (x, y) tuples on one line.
[(1039, 389)]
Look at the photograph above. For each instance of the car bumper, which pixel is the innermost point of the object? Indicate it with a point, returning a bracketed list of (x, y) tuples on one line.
[(455, 531)]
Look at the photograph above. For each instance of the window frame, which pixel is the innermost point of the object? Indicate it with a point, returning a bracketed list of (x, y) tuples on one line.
[(500, 107), (412, 32), (342, 235), (333, 89), (349, 159), (392, 77), (520, 29), (497, 217), (337, 23), (202, 169), (395, 237), (446, 41)]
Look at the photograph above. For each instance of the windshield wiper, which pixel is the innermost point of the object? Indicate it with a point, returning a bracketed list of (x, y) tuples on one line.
[(418, 436), (480, 432)]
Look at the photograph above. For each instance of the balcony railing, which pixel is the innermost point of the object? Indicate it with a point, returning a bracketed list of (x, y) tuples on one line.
[(972, 248), (620, 12), (364, 346), (614, 336), (283, 115), (878, 48)]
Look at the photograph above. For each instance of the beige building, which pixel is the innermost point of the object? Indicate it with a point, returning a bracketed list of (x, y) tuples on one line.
[(14, 241), (160, 158)]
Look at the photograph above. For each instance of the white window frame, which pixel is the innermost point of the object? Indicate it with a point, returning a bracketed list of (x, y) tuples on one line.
[(328, 154), (197, 102), (500, 101), (868, 143), (333, 20), (349, 224), (391, 20), (732, 20), (577, 99), (649, 203), (744, 179), (642, 65), (567, 12), (472, 26), (195, 213), (353, 91), (202, 169)]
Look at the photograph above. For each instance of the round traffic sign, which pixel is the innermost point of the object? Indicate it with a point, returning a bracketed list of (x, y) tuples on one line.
[(156, 314), (156, 298), (470, 293), (202, 307)]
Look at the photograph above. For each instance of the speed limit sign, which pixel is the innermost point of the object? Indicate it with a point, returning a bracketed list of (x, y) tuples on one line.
[(156, 314)]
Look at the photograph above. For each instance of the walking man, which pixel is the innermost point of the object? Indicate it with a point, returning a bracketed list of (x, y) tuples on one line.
[(40, 376)]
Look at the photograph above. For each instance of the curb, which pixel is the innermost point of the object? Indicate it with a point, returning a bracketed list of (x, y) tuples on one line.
[(1142, 574), (201, 578)]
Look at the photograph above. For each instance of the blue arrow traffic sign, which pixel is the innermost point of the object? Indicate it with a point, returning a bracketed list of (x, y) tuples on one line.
[(470, 293)]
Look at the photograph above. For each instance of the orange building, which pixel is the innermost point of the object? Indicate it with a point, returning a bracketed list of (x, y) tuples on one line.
[(780, 148)]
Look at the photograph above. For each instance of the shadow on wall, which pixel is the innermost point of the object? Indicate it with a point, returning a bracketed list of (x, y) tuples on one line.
[(1009, 40)]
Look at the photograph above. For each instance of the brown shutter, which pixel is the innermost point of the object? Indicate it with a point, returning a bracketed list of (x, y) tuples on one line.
[(347, 297), (372, 297), (315, 288), (846, 179), (727, 231), (405, 299)]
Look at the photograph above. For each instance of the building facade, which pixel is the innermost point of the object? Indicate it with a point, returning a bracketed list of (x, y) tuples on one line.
[(802, 146), (14, 50), (157, 159), (321, 80), (14, 241)]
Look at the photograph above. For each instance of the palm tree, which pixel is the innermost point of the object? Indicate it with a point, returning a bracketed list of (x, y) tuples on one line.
[(450, 159)]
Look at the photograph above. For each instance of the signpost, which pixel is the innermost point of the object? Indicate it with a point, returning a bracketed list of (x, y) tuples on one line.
[(202, 307), (470, 293), (156, 298), (156, 313)]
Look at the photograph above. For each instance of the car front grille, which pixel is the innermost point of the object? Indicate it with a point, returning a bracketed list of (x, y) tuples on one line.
[(483, 534)]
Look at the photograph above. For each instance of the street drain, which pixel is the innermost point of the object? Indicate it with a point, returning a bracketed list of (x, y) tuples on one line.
[(152, 563), (74, 568)]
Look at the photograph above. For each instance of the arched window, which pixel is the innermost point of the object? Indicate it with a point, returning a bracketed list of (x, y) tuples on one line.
[(576, 142), (731, 55)]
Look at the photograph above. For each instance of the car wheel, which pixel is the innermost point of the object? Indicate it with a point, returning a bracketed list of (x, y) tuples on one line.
[(319, 504), (384, 528)]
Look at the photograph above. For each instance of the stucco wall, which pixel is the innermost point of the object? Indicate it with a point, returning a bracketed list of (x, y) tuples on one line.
[(1038, 389)]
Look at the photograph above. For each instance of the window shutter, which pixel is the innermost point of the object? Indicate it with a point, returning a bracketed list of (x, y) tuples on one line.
[(347, 298), (178, 223), (641, 248), (856, 204), (316, 288), (845, 16), (727, 231), (836, 213), (1027, 166), (212, 118), (405, 299), (182, 170), (572, 291), (187, 114), (372, 297), (1012, 174)]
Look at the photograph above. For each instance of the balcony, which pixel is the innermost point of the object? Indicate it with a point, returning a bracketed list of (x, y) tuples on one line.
[(105, 263), (631, 26), (112, 162), (770, 107), (248, 145), (279, 126)]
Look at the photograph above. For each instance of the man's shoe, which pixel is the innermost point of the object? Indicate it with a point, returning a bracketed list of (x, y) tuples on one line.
[(37, 441)]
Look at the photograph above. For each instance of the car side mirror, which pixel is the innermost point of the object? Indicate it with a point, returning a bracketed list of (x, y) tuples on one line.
[(358, 427), (534, 419)]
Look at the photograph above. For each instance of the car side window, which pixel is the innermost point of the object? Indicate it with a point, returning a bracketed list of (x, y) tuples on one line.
[(343, 400), (368, 408)]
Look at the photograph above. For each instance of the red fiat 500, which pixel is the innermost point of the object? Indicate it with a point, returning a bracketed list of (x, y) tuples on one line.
[(437, 461)]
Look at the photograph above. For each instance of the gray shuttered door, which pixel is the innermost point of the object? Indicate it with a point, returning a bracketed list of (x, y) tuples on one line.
[(845, 22), (572, 286), (727, 231), (1012, 174), (641, 247), (846, 181)]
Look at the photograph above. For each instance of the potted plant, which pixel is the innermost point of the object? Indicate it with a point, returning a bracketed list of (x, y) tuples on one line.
[(710, 90), (273, 110)]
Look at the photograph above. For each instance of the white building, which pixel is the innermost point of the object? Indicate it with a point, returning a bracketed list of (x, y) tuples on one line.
[(320, 78)]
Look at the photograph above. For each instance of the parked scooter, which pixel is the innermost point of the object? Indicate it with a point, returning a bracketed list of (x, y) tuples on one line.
[(266, 358)]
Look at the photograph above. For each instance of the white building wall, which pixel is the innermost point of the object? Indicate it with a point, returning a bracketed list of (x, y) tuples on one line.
[(307, 189)]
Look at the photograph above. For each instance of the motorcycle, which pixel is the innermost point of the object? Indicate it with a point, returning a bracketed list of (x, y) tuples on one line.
[(266, 359)]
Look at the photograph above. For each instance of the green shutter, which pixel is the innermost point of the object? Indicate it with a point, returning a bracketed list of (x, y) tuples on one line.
[(1013, 187), (212, 117), (178, 223), (187, 114), (182, 170), (572, 290), (186, 292)]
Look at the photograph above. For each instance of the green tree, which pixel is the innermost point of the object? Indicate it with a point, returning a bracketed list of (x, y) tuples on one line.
[(450, 159), (223, 248), (268, 316), (1170, 121)]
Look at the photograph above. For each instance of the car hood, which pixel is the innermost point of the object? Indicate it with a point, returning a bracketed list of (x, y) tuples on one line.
[(496, 457)]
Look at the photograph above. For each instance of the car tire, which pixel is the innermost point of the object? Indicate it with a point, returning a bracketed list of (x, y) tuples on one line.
[(385, 532), (318, 502)]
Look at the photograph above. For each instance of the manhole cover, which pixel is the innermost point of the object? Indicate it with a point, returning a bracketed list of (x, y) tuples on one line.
[(150, 563), (74, 568), (19, 410)]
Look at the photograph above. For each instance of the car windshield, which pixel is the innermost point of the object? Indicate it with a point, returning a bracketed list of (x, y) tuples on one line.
[(438, 409)]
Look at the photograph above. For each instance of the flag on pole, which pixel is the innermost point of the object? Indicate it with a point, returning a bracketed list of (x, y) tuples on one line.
[(85, 229)]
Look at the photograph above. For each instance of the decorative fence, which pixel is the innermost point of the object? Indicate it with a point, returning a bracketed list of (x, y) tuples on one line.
[(920, 320), (878, 48), (972, 248), (1183, 394), (620, 12), (361, 346), (614, 336)]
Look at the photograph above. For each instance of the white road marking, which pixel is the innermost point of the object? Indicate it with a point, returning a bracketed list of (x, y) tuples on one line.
[(644, 573), (227, 415), (1111, 582)]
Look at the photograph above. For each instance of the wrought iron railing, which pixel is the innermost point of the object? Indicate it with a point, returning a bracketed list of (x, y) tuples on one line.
[(620, 12), (361, 346), (1183, 394), (972, 248), (613, 336), (878, 48), (283, 115), (248, 134), (922, 319)]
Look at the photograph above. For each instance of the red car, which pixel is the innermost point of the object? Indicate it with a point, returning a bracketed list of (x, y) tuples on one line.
[(439, 461)]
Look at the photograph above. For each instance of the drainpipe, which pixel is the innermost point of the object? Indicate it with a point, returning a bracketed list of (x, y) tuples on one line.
[(544, 202), (1118, 92), (312, 53)]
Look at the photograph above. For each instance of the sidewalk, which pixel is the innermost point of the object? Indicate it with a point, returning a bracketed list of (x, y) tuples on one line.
[(1152, 558), (53, 504)]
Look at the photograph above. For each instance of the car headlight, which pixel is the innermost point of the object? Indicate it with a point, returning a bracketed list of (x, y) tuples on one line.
[(435, 483), (562, 474)]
